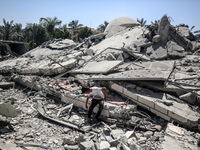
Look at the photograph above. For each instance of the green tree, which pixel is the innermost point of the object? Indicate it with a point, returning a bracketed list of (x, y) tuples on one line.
[(84, 33), (7, 30), (74, 24), (102, 27), (50, 24), (35, 35), (141, 21), (62, 32), (18, 36)]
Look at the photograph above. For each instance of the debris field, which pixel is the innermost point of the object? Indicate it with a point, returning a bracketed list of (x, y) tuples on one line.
[(151, 73)]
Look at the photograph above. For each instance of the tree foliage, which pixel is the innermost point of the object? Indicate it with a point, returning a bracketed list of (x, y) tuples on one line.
[(102, 27), (141, 21), (7, 30), (84, 33), (74, 24), (50, 24)]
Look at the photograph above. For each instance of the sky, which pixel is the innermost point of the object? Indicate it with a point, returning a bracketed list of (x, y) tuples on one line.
[(92, 13)]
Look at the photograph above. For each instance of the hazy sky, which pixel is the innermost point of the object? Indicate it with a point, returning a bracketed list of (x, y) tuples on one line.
[(92, 13)]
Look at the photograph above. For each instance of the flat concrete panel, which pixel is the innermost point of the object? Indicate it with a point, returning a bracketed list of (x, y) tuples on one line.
[(177, 117), (117, 87), (158, 70), (143, 106), (160, 114), (130, 94), (161, 109), (145, 101), (98, 67)]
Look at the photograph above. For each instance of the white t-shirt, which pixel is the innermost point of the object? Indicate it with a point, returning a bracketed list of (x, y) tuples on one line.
[(96, 93)]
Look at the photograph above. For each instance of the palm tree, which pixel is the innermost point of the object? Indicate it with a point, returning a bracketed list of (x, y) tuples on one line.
[(102, 27), (50, 24), (74, 24), (141, 21), (7, 30)]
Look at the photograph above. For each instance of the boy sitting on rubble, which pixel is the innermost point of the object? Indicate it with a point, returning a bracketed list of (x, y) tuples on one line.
[(98, 94)]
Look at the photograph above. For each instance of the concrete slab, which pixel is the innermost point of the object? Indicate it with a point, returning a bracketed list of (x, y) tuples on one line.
[(158, 70), (98, 67), (179, 112)]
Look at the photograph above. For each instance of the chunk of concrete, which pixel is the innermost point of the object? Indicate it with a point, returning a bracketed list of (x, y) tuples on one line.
[(188, 97), (87, 145), (156, 38), (7, 85), (98, 67), (104, 145), (115, 27), (7, 110), (117, 133)]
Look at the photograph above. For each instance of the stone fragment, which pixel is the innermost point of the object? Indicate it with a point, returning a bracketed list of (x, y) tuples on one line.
[(87, 145), (128, 134), (156, 38), (70, 147), (104, 145), (188, 97), (148, 134), (134, 146), (69, 140)]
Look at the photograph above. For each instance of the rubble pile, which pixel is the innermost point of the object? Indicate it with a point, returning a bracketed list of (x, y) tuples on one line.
[(151, 74)]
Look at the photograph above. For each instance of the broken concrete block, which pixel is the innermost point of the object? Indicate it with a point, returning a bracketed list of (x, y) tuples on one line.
[(128, 134), (7, 85), (110, 56), (70, 147), (104, 145), (174, 50), (7, 110), (87, 145), (188, 97), (115, 26), (134, 146), (148, 134), (184, 31), (163, 28), (156, 38), (69, 140), (90, 52), (117, 133)]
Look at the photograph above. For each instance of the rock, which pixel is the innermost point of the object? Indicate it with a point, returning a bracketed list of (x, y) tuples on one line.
[(117, 133), (110, 56), (87, 145), (142, 140), (190, 69), (69, 140), (188, 97), (148, 134), (128, 134), (70, 147), (104, 145), (134, 146), (156, 38), (90, 52), (174, 50), (163, 28)]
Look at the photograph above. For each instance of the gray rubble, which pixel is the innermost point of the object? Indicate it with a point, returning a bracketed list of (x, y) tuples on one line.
[(151, 73)]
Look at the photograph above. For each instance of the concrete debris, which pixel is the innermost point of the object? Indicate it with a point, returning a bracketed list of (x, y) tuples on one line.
[(151, 74), (7, 110)]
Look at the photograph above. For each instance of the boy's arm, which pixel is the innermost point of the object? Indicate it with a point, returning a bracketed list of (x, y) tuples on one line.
[(105, 93)]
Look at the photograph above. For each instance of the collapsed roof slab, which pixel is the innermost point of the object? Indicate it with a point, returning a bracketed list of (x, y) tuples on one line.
[(154, 102), (158, 70), (98, 67)]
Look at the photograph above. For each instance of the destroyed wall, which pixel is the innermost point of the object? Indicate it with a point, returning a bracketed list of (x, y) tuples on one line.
[(152, 80)]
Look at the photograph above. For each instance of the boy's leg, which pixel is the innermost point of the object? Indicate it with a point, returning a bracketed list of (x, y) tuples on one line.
[(94, 103), (101, 104)]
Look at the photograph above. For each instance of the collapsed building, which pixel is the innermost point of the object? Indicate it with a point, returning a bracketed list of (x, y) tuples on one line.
[(152, 68)]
